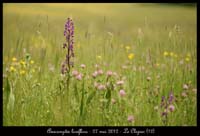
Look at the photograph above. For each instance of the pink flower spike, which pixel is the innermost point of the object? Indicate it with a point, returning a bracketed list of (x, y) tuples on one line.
[(122, 93), (130, 118), (83, 66)]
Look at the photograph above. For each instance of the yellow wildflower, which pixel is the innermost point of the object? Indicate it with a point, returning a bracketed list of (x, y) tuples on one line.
[(14, 59), (165, 53), (99, 57), (22, 62), (33, 70), (32, 62), (22, 72), (131, 56), (187, 59), (128, 48), (171, 54), (157, 64), (12, 69), (188, 55)]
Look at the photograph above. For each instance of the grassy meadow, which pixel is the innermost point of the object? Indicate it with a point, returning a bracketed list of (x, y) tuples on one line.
[(136, 65)]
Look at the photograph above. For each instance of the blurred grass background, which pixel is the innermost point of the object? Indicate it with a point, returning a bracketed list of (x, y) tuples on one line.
[(102, 30)]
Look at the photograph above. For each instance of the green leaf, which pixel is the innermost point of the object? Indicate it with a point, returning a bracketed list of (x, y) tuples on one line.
[(28, 56), (11, 100), (7, 90), (108, 97), (82, 100), (76, 92), (92, 94)]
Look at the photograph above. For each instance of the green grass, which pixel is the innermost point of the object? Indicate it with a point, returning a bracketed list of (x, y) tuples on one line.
[(41, 97)]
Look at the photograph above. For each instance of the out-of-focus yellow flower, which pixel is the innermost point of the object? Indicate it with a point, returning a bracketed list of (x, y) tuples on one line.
[(175, 55), (188, 55), (22, 62), (131, 56), (33, 70), (32, 62), (165, 53), (99, 57), (22, 72), (14, 59), (128, 48), (187, 59), (171, 54), (157, 64), (12, 69)]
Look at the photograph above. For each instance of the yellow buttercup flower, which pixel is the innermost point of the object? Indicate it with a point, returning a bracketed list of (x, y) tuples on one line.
[(22, 62), (12, 69), (14, 59), (187, 59), (131, 56), (33, 70), (171, 54), (165, 53), (32, 62), (22, 72), (99, 57), (188, 55), (128, 48)]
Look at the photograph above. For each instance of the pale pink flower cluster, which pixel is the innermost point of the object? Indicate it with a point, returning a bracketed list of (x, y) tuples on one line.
[(77, 75), (97, 72), (121, 82), (83, 66), (99, 86), (100, 72), (130, 118), (94, 75), (122, 93), (171, 108), (185, 86), (109, 73)]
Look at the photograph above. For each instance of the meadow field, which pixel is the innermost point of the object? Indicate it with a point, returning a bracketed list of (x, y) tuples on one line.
[(133, 65)]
